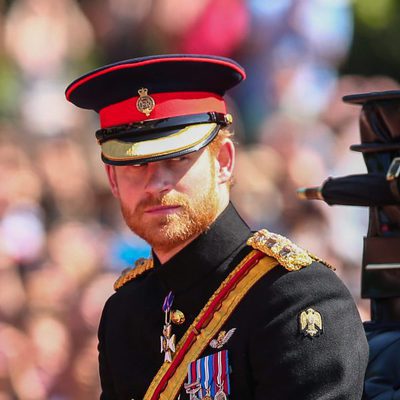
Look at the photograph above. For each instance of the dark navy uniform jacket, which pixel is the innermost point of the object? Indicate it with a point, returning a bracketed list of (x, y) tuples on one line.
[(269, 357), (382, 379)]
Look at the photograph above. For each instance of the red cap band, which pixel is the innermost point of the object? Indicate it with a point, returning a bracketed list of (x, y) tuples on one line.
[(166, 105)]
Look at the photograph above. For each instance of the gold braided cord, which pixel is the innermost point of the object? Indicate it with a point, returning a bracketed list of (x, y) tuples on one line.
[(141, 265), (288, 254), (205, 335), (314, 257)]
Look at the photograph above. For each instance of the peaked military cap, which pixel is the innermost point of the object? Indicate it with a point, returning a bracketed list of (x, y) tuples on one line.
[(379, 120), (157, 107)]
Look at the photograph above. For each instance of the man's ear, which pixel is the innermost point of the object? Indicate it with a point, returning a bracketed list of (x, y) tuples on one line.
[(226, 161), (112, 179)]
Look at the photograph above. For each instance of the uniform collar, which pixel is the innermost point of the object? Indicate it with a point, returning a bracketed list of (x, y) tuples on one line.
[(206, 253)]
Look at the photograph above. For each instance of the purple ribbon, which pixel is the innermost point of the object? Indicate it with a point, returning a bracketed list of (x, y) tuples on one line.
[(169, 299)]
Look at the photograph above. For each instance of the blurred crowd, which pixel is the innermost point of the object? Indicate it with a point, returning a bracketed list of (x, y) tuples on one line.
[(62, 240)]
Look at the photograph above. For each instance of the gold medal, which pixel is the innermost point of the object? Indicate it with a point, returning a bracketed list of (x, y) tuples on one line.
[(208, 395), (177, 317)]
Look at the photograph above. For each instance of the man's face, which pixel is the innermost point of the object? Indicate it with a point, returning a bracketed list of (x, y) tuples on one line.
[(168, 202)]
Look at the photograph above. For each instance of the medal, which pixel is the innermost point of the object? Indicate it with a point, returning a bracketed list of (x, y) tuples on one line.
[(208, 378), (222, 365), (220, 395), (207, 382), (191, 389), (167, 339), (207, 396)]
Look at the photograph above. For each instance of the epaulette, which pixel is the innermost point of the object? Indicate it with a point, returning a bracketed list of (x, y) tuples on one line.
[(288, 254), (141, 265)]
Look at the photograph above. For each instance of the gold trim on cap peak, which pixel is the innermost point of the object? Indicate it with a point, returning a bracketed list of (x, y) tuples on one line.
[(185, 138)]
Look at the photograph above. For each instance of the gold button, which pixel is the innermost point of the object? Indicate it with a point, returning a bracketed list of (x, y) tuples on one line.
[(177, 317)]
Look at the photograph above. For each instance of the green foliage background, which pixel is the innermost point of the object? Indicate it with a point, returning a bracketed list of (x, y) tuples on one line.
[(375, 49)]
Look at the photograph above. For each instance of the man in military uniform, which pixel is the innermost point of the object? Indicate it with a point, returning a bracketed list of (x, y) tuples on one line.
[(218, 312)]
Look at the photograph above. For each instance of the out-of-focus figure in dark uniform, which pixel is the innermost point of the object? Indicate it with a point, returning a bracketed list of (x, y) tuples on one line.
[(379, 190), (218, 312)]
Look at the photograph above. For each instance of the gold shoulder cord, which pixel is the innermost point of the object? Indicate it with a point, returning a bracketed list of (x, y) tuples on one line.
[(289, 255), (314, 257), (141, 265)]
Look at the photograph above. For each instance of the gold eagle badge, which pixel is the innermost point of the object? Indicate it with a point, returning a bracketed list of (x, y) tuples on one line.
[(310, 323)]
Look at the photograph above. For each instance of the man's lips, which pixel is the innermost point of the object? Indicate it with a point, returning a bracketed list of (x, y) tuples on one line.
[(161, 209)]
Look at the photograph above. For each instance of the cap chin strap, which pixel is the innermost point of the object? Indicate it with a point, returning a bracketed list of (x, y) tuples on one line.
[(153, 129)]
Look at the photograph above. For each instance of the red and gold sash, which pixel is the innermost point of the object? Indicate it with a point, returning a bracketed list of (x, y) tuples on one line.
[(171, 376), (270, 250)]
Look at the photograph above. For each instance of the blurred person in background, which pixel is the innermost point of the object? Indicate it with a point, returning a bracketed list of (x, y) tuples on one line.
[(217, 311)]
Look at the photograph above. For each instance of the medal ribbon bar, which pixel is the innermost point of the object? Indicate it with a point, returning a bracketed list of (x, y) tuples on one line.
[(171, 376)]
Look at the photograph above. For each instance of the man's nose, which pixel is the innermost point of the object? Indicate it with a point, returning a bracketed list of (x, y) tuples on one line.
[(159, 179)]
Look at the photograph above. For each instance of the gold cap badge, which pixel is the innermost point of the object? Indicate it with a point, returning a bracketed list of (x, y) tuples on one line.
[(145, 103), (310, 322)]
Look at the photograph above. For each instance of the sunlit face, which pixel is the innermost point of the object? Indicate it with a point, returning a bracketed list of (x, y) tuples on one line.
[(168, 202)]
